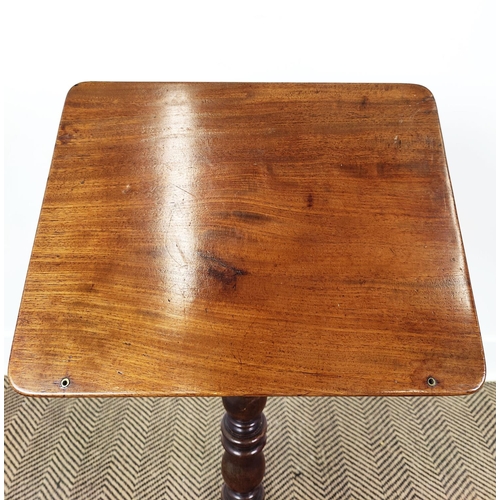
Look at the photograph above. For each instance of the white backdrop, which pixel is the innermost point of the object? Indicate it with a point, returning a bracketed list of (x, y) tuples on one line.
[(446, 45)]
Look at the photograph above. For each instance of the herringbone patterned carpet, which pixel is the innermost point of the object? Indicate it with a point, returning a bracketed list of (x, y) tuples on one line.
[(318, 448)]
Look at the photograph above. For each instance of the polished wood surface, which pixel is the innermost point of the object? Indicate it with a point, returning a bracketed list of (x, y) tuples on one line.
[(247, 239)]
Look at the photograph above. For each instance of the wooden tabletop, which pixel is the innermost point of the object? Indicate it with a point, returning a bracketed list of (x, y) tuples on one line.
[(211, 239)]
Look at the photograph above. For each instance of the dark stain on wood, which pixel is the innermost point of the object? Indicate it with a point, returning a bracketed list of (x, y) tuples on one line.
[(250, 216), (221, 270), (65, 138)]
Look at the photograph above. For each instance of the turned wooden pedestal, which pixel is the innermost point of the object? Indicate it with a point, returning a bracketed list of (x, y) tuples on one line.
[(243, 438), (247, 240)]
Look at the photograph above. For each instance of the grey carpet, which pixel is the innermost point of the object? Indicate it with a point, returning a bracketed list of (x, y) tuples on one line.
[(318, 448)]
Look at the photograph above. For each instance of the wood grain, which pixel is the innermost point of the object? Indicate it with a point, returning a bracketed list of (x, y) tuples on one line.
[(247, 239)]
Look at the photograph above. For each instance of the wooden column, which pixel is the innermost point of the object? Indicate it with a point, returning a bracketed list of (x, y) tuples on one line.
[(243, 438)]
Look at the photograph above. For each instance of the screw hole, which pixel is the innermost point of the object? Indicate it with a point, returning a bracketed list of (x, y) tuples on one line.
[(64, 382), (431, 382)]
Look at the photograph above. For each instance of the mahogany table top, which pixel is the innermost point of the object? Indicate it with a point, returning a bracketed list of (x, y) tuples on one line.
[(211, 239)]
